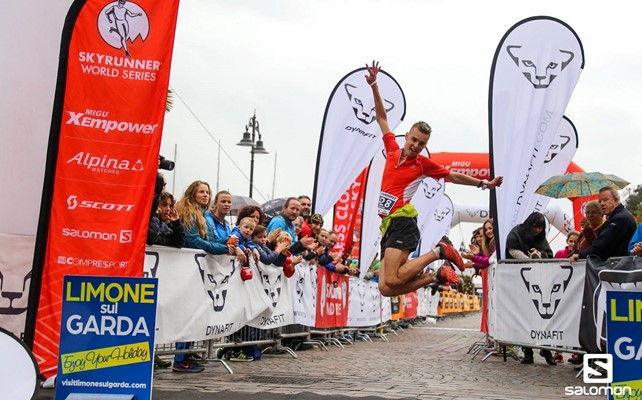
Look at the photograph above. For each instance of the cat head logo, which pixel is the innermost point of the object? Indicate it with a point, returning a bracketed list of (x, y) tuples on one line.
[(13, 293), (121, 23), (431, 187), (440, 214), (150, 267), (556, 147), (362, 103), (271, 281), (547, 290), (215, 278), (539, 71), (299, 288), (361, 294)]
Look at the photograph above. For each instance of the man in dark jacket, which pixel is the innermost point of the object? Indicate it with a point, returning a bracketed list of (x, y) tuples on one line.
[(615, 234)]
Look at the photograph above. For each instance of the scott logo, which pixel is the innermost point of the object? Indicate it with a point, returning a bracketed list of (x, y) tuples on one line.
[(122, 22), (598, 368), (364, 110), (539, 72), (73, 203)]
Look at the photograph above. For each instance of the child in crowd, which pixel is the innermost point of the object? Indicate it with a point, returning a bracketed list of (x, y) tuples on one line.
[(571, 245), (243, 231), (284, 241), (266, 254)]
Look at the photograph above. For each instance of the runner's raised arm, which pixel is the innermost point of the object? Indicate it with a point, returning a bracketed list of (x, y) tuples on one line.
[(371, 78)]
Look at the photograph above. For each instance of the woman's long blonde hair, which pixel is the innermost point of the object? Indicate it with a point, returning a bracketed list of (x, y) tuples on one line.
[(190, 211)]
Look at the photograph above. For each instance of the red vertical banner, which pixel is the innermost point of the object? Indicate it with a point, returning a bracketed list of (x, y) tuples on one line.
[(110, 101), (332, 299), (410, 304), (347, 211)]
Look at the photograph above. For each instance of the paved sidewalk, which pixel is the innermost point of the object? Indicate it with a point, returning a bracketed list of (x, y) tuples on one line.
[(422, 362)]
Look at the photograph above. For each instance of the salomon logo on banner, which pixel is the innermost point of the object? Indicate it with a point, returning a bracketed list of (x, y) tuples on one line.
[(547, 291), (121, 23), (538, 69)]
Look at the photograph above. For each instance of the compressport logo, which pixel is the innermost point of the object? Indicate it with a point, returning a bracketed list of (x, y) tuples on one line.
[(73, 203), (121, 23), (105, 164), (91, 262), (124, 236)]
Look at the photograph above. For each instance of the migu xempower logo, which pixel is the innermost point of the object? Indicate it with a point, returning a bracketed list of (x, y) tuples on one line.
[(121, 22), (539, 71)]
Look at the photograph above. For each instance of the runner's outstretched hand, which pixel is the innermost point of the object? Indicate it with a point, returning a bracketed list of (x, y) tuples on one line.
[(372, 72), (496, 182)]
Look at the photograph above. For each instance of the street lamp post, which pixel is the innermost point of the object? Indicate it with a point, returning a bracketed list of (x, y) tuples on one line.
[(256, 146)]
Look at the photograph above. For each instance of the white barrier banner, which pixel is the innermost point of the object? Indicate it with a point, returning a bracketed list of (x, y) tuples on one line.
[(428, 303), (537, 303), (491, 297), (365, 304), (304, 295), (16, 259), (270, 283), (200, 296), (386, 309)]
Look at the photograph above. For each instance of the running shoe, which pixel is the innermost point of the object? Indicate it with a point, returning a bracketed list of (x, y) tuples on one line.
[(185, 366), (241, 357), (196, 358), (448, 252), (446, 274)]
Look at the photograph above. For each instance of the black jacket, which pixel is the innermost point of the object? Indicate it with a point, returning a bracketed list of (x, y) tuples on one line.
[(614, 237), (163, 234)]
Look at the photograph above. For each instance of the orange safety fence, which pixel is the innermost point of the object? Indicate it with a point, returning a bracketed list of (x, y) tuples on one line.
[(455, 303)]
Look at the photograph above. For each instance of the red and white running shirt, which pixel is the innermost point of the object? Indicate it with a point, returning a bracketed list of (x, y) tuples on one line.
[(400, 181)]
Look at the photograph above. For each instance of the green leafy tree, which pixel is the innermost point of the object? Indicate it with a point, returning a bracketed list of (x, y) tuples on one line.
[(633, 201)]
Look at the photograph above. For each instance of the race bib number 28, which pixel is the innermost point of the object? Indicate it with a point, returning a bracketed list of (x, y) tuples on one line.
[(386, 201)]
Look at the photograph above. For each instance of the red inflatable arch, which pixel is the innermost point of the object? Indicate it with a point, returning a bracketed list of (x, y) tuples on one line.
[(478, 165)]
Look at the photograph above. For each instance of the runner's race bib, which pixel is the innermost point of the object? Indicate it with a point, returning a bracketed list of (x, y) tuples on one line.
[(386, 202)]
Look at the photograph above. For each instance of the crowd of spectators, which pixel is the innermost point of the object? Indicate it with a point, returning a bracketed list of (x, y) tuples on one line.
[(197, 222), (608, 230), (295, 234)]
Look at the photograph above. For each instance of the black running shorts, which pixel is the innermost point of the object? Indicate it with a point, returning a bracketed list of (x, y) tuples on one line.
[(402, 234)]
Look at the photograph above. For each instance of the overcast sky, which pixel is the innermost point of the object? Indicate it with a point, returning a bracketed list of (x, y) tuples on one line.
[(283, 58)]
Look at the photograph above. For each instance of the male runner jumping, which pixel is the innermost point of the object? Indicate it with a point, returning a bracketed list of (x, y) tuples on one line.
[(403, 172)]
